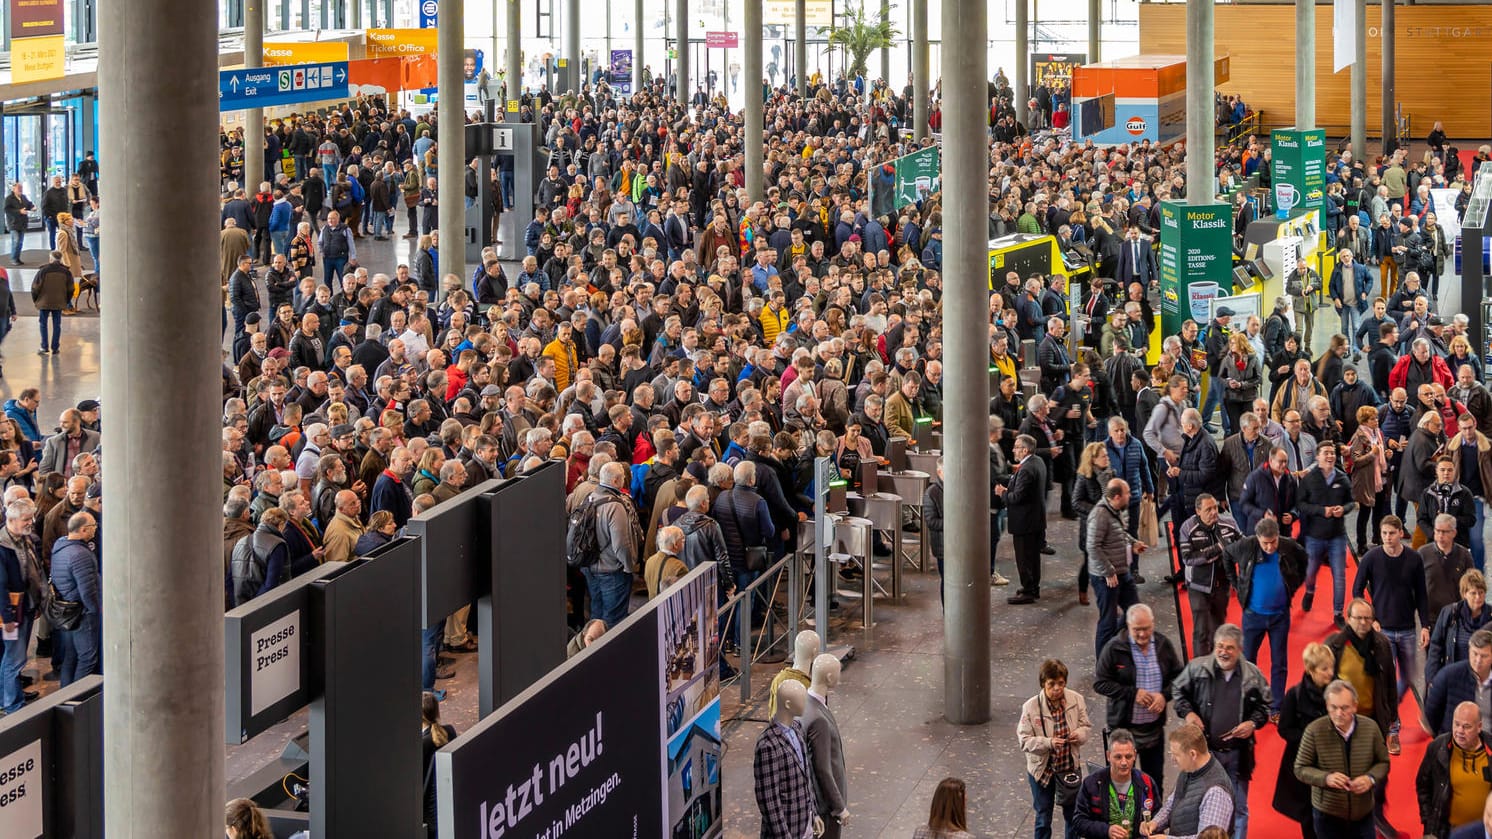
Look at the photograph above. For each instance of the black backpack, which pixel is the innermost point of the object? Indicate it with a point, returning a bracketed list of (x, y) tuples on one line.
[(582, 542)]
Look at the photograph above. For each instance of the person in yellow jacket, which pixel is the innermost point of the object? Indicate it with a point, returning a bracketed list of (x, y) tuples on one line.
[(562, 350), (774, 318), (901, 417)]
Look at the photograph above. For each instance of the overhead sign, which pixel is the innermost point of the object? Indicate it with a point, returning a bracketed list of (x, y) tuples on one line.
[(37, 50), (1196, 258), (429, 13), (783, 13), (266, 87), (722, 40), (1298, 169), (390, 43), (303, 52)]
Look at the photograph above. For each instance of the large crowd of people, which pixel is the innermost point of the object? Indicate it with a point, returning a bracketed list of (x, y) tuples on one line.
[(688, 352)]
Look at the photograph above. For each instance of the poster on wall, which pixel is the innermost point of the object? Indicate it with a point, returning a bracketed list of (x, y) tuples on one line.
[(37, 51), (689, 650), (621, 740), (620, 76), (1196, 260)]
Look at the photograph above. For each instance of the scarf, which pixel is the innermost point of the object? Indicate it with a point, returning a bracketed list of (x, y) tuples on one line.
[(1364, 647)]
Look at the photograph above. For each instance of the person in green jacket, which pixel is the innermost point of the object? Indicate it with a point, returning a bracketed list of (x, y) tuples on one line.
[(1344, 759)]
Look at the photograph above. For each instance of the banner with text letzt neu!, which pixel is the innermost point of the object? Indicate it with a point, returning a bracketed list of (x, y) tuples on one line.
[(621, 741), (1196, 261)]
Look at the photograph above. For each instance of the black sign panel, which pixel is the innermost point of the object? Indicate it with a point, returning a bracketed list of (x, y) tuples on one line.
[(267, 658), (455, 552), (577, 754), (47, 763)]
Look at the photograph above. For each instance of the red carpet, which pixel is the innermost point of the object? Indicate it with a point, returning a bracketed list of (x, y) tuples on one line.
[(1264, 821)]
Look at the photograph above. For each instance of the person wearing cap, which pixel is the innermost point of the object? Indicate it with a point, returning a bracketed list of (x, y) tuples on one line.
[(1217, 354), (346, 334), (88, 412)]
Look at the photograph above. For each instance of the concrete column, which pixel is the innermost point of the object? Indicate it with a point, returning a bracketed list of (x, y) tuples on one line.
[(451, 135), (681, 45), (253, 126), (637, 45), (751, 98), (1305, 63), (1201, 184), (576, 75), (514, 71), (1360, 84), (1390, 125), (1095, 24), (921, 74), (800, 45), (163, 614), (966, 614), (1022, 61)]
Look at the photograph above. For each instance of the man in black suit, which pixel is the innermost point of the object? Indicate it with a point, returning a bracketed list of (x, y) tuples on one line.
[(1025, 499), (1136, 260)]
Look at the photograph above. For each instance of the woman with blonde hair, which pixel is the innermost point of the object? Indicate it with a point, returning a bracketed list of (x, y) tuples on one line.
[(434, 735), (1303, 704), (1094, 473), (67, 245), (1241, 375)]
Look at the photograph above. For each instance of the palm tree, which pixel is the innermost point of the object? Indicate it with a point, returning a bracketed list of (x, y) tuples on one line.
[(859, 35)]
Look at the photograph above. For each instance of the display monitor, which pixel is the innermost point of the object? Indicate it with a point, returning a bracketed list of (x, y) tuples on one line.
[(1241, 277), (1263, 269)]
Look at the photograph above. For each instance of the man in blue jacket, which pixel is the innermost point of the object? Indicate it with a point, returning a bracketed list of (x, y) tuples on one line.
[(75, 575), (1459, 682), (390, 492), (20, 580)]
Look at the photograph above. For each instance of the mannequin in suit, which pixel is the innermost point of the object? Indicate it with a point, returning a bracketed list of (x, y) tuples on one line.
[(825, 748), (780, 770), (806, 645)]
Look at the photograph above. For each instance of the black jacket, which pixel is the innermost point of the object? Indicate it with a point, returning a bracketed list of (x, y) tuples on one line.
[(1454, 684), (1195, 694), (1303, 705), (932, 515), (1199, 472), (1090, 812), (1115, 675), (1432, 784), (1055, 364), (1240, 557), (1385, 685), (1451, 636), (1316, 493), (1025, 498)]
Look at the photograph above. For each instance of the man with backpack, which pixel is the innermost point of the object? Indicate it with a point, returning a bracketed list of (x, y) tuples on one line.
[(604, 543)]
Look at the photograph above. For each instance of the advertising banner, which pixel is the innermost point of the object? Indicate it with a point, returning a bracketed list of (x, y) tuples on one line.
[(722, 40), (37, 51), (1298, 170), (303, 52), (781, 13), (1052, 67), (596, 748), (621, 72), (906, 180), (1196, 250)]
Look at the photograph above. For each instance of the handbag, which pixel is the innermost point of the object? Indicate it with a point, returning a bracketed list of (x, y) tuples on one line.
[(1066, 784), (65, 615), (757, 558)]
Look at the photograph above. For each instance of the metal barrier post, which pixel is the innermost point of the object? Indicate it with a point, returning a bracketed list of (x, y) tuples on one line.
[(743, 643)]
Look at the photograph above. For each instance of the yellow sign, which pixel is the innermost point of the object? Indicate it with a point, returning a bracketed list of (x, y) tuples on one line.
[(36, 59), (784, 12), (396, 43), (512, 106), (303, 52)]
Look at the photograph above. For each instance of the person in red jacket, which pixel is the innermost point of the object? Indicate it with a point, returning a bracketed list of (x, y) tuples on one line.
[(1419, 367)]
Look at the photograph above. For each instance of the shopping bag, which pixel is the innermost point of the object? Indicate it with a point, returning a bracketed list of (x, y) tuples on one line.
[(1149, 526)]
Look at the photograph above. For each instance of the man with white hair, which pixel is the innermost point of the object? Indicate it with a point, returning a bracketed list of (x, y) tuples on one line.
[(1135, 672), (619, 538)]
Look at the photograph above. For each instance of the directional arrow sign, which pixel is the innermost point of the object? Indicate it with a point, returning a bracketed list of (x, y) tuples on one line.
[(265, 87)]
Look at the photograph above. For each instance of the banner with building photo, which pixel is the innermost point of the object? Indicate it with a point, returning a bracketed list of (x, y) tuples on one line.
[(689, 651), (622, 740)]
